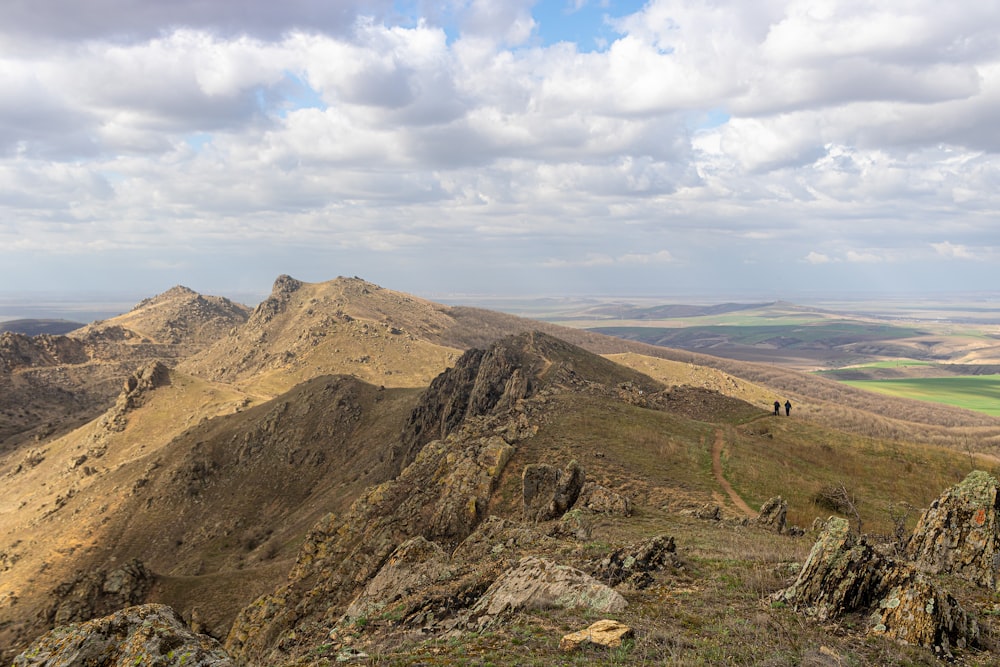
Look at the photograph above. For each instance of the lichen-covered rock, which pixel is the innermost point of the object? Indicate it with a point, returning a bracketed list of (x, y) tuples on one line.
[(537, 583), (772, 514), (606, 633), (634, 564), (846, 575), (916, 611), (549, 492), (151, 635), (960, 532)]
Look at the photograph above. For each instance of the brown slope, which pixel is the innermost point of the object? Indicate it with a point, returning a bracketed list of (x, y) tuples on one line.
[(344, 326), (202, 502), (50, 382)]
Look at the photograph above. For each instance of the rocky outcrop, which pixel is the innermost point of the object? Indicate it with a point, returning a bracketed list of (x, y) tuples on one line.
[(960, 532), (442, 496), (99, 592), (150, 635), (133, 393), (481, 382), (846, 575), (547, 492), (602, 500), (537, 583), (772, 515), (635, 564), (21, 351), (604, 633)]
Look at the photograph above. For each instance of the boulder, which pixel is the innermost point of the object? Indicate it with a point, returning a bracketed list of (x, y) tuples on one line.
[(960, 532), (151, 635), (537, 583), (549, 492), (847, 575), (606, 633)]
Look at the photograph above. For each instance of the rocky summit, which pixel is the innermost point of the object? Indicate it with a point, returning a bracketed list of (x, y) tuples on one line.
[(345, 473)]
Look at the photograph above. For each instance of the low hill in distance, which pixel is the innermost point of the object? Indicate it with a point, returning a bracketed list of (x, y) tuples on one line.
[(30, 327), (348, 469)]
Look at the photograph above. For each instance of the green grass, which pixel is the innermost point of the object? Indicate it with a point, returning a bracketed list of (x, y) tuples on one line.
[(895, 363), (975, 392), (752, 333)]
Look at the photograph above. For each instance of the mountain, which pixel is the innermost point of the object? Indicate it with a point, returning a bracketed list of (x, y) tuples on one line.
[(347, 469), (49, 383)]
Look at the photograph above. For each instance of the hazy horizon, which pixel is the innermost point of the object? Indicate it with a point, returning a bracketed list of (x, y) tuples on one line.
[(86, 306)]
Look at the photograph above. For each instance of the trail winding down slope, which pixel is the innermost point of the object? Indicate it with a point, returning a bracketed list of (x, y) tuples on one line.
[(723, 482)]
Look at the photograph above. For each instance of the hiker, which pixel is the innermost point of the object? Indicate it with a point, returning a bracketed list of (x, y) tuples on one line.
[(777, 407), (788, 408)]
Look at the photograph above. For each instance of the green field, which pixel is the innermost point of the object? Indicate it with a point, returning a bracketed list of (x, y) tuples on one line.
[(828, 334), (973, 392)]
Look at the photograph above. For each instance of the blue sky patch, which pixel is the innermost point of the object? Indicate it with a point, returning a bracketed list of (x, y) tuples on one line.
[(582, 22)]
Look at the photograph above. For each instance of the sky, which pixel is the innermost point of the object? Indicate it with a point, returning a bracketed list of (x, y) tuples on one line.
[(766, 148)]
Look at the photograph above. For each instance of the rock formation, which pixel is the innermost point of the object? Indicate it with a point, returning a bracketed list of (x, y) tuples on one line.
[(960, 532), (602, 500), (99, 592), (844, 575), (150, 635), (772, 514), (633, 565)]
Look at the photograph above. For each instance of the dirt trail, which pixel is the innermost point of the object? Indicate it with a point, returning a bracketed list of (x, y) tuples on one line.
[(726, 486)]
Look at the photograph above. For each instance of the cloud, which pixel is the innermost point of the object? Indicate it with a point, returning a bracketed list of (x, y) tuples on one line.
[(863, 257), (742, 136), (953, 251), (818, 258), (138, 20)]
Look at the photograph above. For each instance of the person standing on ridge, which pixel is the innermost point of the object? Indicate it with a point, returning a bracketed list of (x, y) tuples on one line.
[(777, 407), (788, 408)]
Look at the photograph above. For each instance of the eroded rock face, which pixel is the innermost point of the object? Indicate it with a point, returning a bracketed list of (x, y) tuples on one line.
[(549, 492), (960, 532), (846, 575), (151, 635), (133, 393)]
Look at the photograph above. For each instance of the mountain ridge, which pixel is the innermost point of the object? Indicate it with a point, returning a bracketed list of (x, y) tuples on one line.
[(213, 443)]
